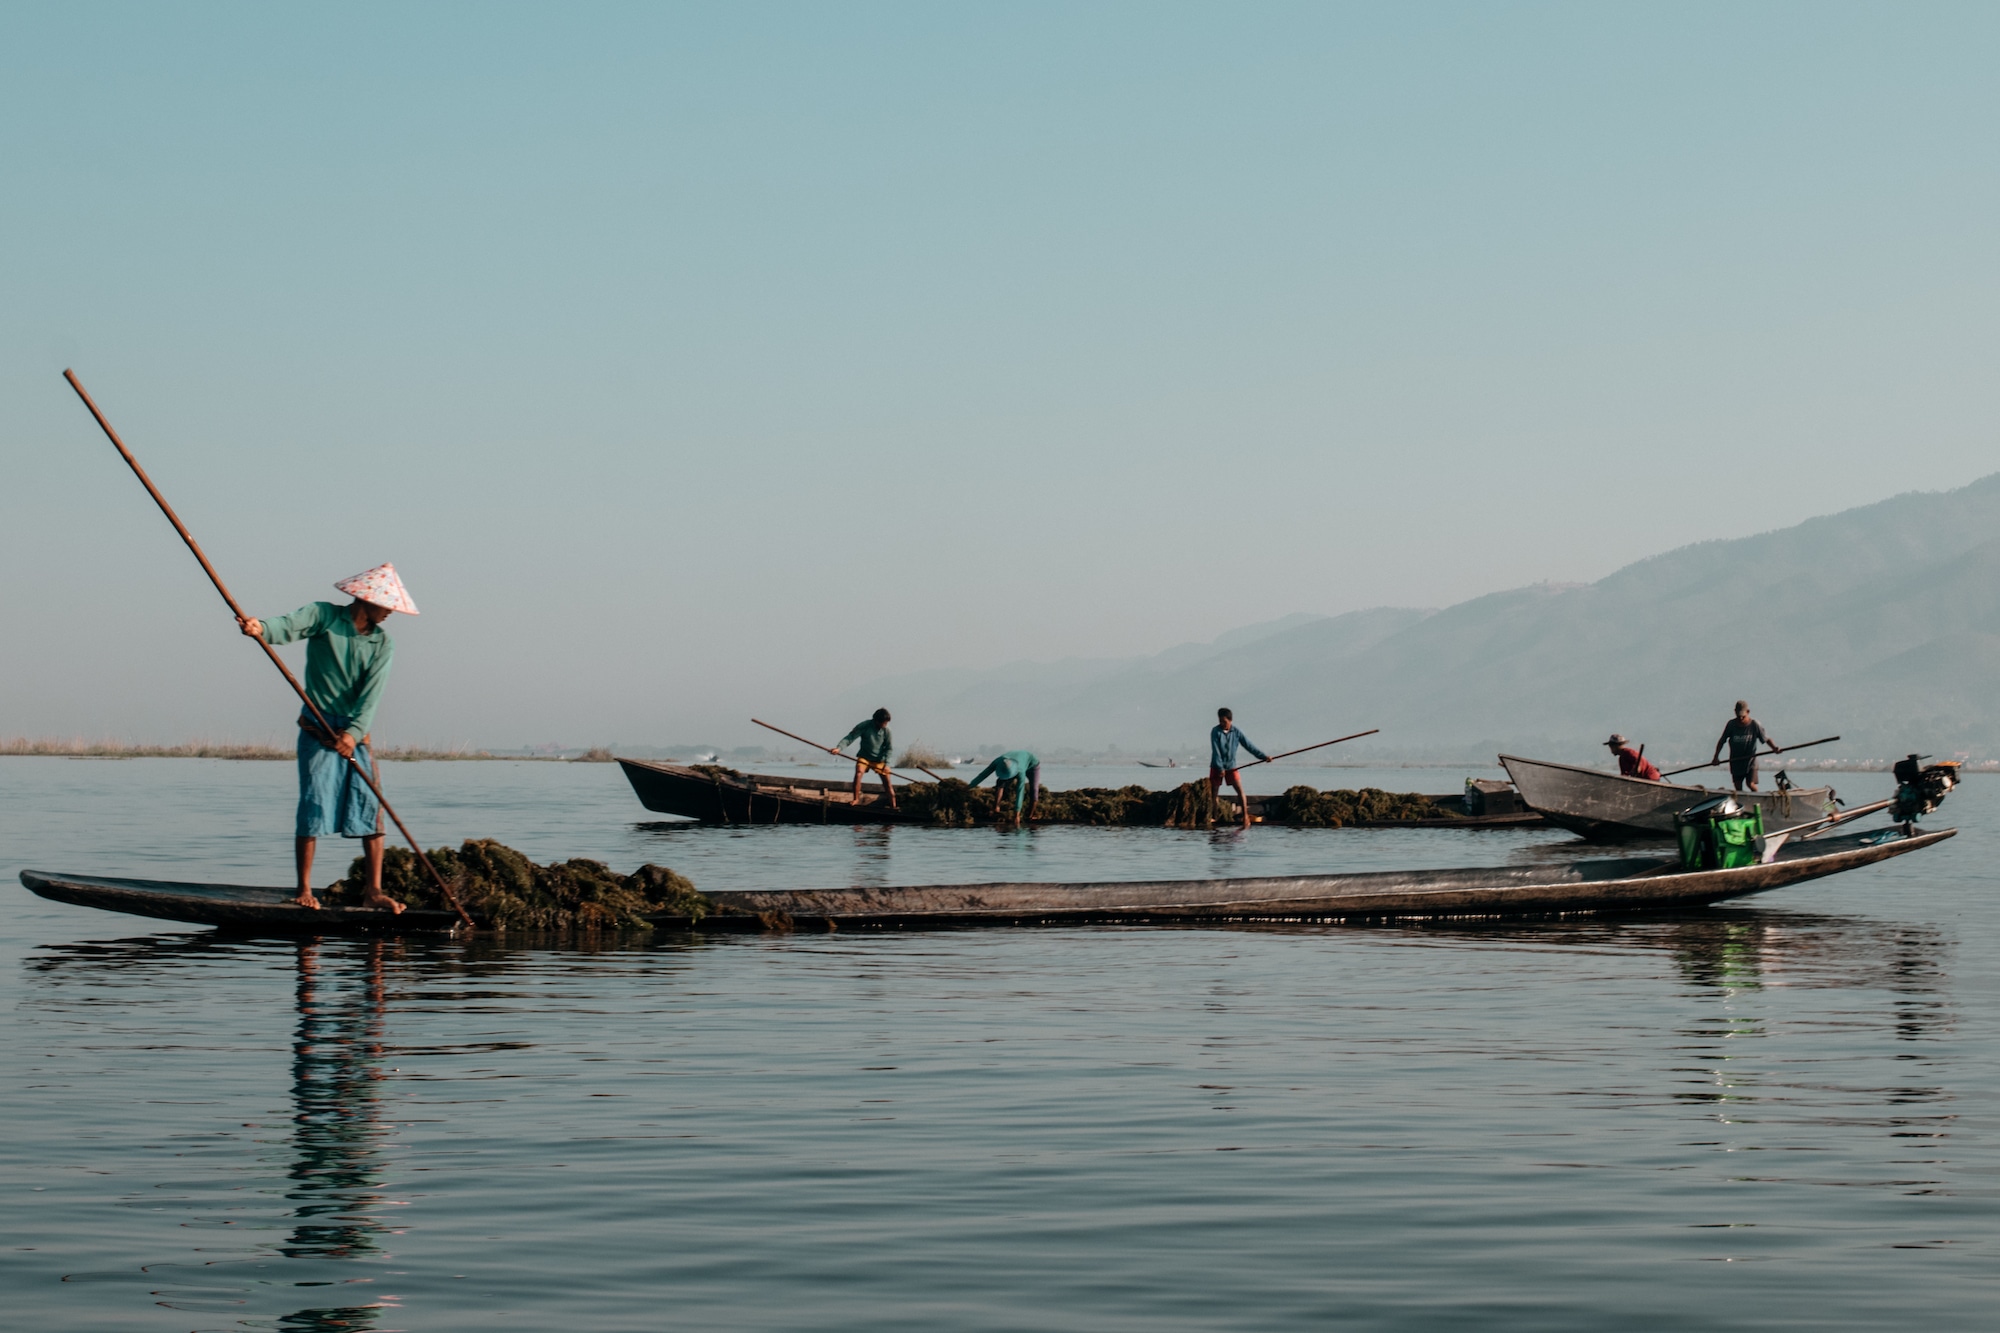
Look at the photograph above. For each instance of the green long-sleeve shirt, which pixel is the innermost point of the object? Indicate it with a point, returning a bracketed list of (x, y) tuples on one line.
[(345, 670), (1005, 768), (874, 738)]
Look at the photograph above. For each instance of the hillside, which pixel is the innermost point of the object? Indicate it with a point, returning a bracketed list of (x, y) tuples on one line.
[(1881, 623)]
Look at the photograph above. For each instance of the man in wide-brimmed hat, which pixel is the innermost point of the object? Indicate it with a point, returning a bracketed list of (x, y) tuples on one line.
[(1631, 763), (347, 664)]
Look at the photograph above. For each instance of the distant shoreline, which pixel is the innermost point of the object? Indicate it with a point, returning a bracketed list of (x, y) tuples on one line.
[(21, 747), (49, 749)]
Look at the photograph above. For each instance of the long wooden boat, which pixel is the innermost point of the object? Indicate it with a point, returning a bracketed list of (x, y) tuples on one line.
[(1588, 886), (1609, 807), (725, 796)]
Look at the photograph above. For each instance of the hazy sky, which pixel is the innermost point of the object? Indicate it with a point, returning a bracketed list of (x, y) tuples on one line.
[(690, 360)]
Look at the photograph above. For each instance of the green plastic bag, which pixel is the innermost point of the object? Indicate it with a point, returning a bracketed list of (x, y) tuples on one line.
[(1722, 844)]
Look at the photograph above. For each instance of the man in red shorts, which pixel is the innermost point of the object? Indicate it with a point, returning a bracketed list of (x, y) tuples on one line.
[(1223, 738)]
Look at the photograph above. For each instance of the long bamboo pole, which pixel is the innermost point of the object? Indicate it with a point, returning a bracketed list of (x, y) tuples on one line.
[(1783, 749), (1303, 748), (1833, 822), (880, 768), (270, 652)]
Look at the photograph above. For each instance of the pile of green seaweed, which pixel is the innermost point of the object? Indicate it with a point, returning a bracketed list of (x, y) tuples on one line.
[(1309, 808), (503, 889), (953, 804)]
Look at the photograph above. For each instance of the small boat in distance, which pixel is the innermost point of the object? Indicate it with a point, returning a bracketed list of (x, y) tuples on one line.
[(1622, 884), (1608, 807)]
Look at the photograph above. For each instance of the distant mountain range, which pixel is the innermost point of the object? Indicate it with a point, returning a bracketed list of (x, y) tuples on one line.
[(1881, 624)]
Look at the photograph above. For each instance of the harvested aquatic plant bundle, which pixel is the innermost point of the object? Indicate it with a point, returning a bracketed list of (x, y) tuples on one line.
[(1311, 808), (1195, 805), (951, 802), (505, 889)]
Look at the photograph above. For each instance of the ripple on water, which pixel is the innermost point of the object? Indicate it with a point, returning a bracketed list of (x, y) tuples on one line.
[(1526, 1126)]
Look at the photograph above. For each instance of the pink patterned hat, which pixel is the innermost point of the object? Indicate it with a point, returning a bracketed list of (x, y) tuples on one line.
[(380, 586)]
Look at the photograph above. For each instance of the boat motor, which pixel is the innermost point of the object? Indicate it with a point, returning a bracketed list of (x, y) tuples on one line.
[(1921, 789)]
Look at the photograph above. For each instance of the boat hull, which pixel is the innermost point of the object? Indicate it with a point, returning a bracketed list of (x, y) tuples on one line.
[(230, 906), (1624, 884), (1608, 807), (724, 796)]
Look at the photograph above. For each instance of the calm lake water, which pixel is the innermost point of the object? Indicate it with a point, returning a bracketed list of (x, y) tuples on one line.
[(1783, 1113)]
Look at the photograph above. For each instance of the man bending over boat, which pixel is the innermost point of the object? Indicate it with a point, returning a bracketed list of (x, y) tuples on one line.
[(347, 664), (1025, 772), (873, 753), (1223, 738), (1631, 763), (1741, 734)]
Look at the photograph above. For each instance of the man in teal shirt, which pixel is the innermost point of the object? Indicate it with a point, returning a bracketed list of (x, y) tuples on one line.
[(347, 665), (873, 753), (1024, 771)]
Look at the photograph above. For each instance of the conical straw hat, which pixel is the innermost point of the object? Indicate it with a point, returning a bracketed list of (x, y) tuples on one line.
[(380, 586)]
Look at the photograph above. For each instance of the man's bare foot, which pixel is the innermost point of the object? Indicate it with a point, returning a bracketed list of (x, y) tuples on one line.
[(382, 902), (307, 901)]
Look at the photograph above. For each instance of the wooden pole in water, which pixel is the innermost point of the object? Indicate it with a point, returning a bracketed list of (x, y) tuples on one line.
[(270, 652), (1303, 748), (1784, 749), (884, 768)]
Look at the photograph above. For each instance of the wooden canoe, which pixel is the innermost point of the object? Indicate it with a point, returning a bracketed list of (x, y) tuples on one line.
[(1608, 807), (725, 796), (1626, 884)]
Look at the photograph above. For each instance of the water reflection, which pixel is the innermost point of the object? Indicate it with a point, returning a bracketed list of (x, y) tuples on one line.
[(1729, 965), (336, 1156), (338, 1128), (1731, 1043), (871, 855)]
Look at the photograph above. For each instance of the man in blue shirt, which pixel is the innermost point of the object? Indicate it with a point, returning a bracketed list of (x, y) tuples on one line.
[(1223, 738), (1024, 771)]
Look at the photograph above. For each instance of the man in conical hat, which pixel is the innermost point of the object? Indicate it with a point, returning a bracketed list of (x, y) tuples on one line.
[(347, 664)]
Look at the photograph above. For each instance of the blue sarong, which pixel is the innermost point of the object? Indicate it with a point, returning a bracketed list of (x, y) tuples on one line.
[(332, 799)]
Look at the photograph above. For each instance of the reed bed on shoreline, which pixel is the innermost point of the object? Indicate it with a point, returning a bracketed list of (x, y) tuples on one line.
[(78, 748), (919, 755)]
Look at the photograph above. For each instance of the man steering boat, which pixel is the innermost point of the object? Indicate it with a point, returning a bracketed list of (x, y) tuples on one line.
[(1632, 763), (347, 665), (872, 755), (1742, 734)]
